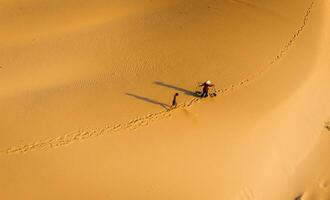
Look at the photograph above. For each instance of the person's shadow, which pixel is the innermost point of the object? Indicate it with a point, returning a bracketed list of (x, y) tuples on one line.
[(149, 100), (185, 91)]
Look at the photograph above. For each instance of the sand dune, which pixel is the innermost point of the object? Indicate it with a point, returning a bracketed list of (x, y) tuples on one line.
[(85, 86), (145, 120)]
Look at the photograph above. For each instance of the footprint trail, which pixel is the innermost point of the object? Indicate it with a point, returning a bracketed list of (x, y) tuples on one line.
[(148, 119)]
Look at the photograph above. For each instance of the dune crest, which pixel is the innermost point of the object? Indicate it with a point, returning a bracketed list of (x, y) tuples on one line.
[(147, 119), (72, 71)]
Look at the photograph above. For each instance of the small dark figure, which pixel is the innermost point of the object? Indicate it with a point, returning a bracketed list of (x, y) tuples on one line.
[(174, 103), (206, 87)]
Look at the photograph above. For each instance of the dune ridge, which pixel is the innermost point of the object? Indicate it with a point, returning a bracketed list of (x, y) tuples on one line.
[(147, 119)]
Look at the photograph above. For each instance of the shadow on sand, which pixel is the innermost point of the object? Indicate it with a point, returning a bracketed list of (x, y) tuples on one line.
[(185, 91), (165, 106)]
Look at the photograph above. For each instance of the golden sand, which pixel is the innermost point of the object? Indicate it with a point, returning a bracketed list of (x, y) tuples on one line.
[(85, 84)]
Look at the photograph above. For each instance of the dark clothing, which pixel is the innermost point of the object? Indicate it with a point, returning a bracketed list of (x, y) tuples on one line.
[(206, 88), (174, 103), (205, 94)]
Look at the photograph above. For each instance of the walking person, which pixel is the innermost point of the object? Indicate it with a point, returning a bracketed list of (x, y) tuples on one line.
[(206, 86), (174, 102)]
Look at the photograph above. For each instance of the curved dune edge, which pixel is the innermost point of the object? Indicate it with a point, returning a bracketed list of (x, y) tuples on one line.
[(147, 119)]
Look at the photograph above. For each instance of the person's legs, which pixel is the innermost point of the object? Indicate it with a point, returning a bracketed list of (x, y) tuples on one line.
[(174, 104), (204, 94)]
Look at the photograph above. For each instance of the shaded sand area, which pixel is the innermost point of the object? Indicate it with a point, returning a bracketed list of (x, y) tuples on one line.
[(84, 85)]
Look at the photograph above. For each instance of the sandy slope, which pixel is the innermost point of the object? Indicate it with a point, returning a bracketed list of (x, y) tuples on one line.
[(76, 70)]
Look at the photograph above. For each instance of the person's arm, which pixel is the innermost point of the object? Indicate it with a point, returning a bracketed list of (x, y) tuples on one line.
[(202, 85)]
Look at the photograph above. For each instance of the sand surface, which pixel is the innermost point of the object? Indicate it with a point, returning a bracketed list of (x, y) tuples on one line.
[(84, 87)]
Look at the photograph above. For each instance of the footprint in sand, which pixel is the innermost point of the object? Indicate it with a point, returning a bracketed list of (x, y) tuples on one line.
[(298, 197), (323, 185), (247, 194), (327, 125)]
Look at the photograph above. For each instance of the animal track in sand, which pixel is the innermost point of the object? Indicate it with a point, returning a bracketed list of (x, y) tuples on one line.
[(146, 120)]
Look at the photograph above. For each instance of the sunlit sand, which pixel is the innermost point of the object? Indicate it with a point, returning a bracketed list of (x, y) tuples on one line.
[(86, 89)]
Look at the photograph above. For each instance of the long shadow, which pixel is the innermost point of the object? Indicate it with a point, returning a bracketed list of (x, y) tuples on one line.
[(185, 91), (149, 100)]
